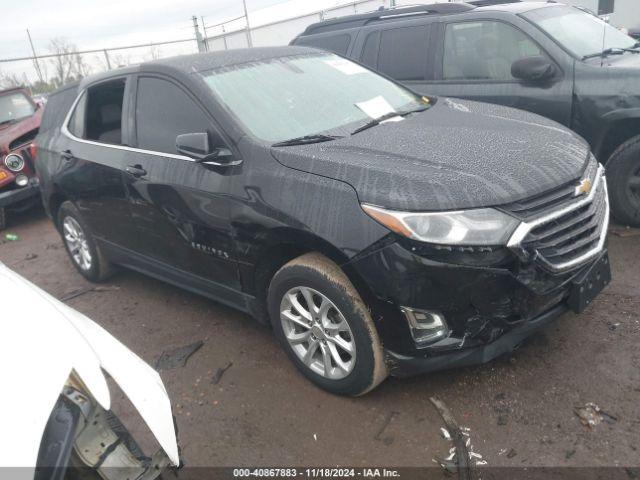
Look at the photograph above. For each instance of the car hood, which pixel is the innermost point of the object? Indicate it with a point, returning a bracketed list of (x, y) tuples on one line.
[(627, 60), (8, 133), (44, 340), (458, 154)]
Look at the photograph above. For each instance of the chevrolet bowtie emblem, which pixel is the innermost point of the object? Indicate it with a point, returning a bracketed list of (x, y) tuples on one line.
[(583, 188)]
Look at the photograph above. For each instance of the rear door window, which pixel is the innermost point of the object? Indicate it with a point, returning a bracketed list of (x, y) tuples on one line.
[(484, 50), (98, 114), (164, 111), (403, 53)]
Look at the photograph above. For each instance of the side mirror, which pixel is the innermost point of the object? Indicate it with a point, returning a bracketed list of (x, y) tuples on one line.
[(533, 69), (198, 146)]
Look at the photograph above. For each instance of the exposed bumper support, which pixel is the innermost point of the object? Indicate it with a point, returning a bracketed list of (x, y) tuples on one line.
[(403, 366)]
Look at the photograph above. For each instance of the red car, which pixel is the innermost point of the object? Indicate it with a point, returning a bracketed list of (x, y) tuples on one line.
[(19, 123)]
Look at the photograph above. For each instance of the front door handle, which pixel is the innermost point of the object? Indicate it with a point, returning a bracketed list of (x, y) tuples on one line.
[(136, 170), (66, 155)]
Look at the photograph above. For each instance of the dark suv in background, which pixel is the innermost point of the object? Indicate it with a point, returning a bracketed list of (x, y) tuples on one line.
[(376, 229), (547, 58)]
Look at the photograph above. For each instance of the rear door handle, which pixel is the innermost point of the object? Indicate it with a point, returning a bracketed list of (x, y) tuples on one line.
[(66, 155), (136, 170)]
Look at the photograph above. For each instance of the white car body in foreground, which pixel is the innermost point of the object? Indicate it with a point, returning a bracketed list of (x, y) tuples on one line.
[(42, 342)]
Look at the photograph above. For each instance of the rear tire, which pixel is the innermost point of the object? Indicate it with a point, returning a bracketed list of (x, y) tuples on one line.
[(334, 342), (84, 252), (623, 177)]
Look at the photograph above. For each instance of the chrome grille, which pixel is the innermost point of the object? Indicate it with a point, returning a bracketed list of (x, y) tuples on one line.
[(533, 207), (570, 234)]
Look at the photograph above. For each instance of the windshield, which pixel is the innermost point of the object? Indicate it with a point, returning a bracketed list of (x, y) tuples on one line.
[(294, 96), (15, 106), (579, 32)]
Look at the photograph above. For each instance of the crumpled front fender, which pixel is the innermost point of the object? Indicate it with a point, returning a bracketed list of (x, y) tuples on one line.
[(43, 342)]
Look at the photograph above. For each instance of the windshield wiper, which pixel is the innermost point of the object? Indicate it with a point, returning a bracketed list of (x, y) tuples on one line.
[(612, 51), (388, 116), (306, 139), (10, 121)]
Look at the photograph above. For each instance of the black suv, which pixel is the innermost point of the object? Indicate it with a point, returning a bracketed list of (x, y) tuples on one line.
[(377, 230), (547, 58)]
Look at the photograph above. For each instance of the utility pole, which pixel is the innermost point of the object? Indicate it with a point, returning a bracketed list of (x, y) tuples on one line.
[(204, 30), (35, 58), (246, 16), (224, 38), (106, 57), (198, 34)]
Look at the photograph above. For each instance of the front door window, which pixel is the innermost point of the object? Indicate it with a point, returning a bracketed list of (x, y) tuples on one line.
[(484, 51)]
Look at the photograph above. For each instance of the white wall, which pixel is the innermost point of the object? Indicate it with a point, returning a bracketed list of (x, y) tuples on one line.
[(626, 14), (282, 32)]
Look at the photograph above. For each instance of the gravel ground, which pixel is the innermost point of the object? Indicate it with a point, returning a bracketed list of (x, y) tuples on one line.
[(520, 410)]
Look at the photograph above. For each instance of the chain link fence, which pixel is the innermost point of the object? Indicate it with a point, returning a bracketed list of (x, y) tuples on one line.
[(46, 72), (233, 33)]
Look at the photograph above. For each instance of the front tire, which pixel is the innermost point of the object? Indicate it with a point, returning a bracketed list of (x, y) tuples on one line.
[(623, 176), (81, 246), (325, 327)]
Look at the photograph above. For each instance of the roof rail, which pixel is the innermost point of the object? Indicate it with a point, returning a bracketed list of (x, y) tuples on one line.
[(358, 20), (486, 3)]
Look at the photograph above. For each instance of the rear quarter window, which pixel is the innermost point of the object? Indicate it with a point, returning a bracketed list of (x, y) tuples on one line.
[(57, 107), (333, 43), (369, 55)]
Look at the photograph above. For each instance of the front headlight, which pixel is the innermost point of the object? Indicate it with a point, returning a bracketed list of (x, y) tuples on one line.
[(482, 226), (14, 162)]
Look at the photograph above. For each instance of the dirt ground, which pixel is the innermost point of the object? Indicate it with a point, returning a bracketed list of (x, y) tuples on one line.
[(520, 410)]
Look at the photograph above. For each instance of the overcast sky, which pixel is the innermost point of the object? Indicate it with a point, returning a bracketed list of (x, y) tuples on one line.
[(91, 24)]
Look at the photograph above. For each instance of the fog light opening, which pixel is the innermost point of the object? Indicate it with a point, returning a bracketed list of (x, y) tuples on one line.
[(22, 180), (426, 326)]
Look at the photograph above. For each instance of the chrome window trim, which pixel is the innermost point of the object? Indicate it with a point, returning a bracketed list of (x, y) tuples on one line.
[(515, 242), (68, 134)]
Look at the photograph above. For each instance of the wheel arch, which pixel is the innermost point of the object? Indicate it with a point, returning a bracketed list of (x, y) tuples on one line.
[(54, 201), (285, 245), (622, 125)]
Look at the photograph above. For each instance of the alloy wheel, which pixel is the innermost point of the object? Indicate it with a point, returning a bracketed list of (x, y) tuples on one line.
[(318, 333), (76, 241)]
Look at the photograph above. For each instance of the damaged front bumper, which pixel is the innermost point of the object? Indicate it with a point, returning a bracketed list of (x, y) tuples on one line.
[(82, 440), (19, 194), (405, 366), (489, 300)]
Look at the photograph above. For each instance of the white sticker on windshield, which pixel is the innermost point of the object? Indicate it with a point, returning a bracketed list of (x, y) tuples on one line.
[(345, 66), (376, 107)]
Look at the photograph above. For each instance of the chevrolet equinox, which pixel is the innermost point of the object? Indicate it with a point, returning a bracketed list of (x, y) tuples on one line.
[(377, 230)]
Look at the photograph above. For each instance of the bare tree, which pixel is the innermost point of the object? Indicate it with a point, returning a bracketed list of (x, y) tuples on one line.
[(62, 63), (154, 53), (10, 80), (120, 60), (68, 64)]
